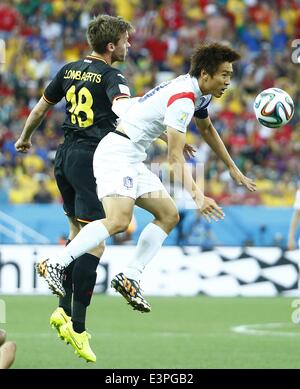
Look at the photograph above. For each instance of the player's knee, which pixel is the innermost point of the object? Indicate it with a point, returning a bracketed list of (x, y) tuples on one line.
[(119, 224), (171, 219), (174, 219)]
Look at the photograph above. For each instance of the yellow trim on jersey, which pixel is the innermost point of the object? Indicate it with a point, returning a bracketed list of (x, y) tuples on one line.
[(121, 96), (83, 221), (77, 218), (48, 101), (94, 57)]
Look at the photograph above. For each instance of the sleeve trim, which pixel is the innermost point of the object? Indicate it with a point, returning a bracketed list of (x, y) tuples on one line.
[(201, 113), (121, 96), (48, 101)]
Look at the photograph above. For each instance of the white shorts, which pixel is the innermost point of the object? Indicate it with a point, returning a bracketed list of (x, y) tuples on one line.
[(119, 170)]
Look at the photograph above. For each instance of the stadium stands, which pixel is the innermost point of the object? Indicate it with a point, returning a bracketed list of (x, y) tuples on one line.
[(165, 34)]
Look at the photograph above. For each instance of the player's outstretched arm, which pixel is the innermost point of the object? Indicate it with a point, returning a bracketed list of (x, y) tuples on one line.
[(34, 119), (207, 206), (241, 179), (122, 104), (212, 138)]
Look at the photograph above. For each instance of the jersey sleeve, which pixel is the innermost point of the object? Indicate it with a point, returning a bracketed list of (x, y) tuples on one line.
[(297, 200), (180, 110), (54, 91), (202, 112), (115, 84)]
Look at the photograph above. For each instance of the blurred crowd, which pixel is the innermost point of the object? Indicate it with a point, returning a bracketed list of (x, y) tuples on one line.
[(40, 36)]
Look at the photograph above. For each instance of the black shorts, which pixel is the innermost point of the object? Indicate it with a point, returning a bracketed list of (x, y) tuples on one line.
[(73, 169)]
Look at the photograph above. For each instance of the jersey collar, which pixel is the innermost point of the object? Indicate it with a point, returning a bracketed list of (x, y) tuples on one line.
[(95, 57), (197, 89)]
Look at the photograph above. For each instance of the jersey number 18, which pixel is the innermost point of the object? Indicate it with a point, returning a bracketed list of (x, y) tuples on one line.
[(81, 102)]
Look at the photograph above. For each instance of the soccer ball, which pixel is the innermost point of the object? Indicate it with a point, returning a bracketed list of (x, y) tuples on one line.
[(273, 107)]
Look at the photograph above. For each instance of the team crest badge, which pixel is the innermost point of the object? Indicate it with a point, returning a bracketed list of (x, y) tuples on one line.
[(128, 182)]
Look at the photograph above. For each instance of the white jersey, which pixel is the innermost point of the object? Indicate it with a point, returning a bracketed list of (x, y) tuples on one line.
[(172, 103)]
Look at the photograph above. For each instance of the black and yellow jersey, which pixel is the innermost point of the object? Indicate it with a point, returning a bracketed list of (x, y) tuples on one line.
[(89, 86)]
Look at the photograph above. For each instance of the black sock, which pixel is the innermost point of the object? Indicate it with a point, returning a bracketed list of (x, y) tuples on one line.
[(78, 316), (84, 279), (66, 301)]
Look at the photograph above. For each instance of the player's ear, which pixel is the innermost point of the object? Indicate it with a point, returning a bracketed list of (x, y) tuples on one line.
[(204, 75), (110, 47)]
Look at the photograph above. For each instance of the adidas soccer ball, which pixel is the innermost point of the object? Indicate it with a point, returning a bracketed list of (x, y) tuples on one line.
[(273, 107)]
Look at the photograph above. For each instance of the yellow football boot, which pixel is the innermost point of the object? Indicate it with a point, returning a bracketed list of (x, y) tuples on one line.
[(80, 342), (58, 318)]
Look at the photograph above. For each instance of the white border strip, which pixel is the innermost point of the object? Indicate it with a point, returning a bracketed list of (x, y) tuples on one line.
[(267, 329)]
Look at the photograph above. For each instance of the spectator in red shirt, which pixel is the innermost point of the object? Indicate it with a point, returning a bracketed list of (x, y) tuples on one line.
[(158, 48), (9, 17), (170, 14)]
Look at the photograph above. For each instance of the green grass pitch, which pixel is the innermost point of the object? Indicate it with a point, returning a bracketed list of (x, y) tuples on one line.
[(180, 332)]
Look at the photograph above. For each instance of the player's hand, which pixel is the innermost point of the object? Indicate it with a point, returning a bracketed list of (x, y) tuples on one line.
[(189, 151), (23, 145), (240, 179), (211, 211)]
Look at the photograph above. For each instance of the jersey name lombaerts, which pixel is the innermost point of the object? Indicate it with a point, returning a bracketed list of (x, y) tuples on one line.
[(89, 87), (172, 103)]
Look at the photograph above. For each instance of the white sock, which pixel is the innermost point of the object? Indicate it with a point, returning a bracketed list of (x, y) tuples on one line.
[(150, 241), (88, 238)]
